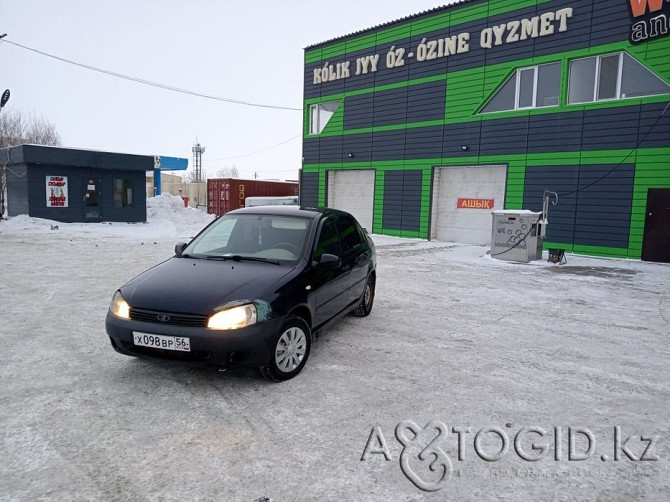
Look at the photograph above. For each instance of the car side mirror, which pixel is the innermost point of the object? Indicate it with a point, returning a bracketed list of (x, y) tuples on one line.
[(179, 248), (330, 261)]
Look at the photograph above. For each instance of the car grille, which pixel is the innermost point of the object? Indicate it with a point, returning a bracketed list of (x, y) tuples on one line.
[(190, 320)]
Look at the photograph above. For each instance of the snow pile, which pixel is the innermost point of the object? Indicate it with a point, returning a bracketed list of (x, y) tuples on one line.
[(168, 212), (166, 218)]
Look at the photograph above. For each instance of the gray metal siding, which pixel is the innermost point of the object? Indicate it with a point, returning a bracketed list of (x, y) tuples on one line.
[(423, 142), (389, 145), (411, 201), (654, 129), (504, 136), (457, 136), (588, 213), (604, 205), (555, 132), (359, 145), (396, 106), (17, 189), (309, 189), (331, 148), (402, 200), (610, 128), (358, 111), (601, 129)]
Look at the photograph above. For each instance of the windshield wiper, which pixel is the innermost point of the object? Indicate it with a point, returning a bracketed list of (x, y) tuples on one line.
[(194, 257), (237, 257)]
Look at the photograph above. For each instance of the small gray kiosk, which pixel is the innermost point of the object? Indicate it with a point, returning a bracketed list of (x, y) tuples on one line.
[(70, 185)]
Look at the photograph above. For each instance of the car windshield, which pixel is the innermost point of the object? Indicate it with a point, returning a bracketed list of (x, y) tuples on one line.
[(252, 236)]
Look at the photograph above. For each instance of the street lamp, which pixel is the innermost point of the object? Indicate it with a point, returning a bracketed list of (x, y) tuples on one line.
[(4, 98)]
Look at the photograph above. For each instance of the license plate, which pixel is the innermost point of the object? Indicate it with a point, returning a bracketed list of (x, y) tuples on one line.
[(180, 343)]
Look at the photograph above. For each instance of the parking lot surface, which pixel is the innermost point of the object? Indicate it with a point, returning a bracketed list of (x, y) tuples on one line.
[(460, 354)]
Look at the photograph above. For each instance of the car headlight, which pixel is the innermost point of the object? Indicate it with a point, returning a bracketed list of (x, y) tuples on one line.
[(233, 318), (119, 307)]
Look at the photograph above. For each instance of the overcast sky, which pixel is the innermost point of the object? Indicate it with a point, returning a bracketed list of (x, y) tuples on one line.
[(246, 50)]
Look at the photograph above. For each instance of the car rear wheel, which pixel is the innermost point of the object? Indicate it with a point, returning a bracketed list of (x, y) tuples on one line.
[(290, 352), (365, 307)]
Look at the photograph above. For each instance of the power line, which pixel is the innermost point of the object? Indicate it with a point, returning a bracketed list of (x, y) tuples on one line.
[(149, 82), (637, 146), (255, 152)]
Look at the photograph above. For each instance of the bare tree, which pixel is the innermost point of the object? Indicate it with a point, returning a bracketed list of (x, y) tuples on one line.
[(228, 172), (16, 130), (192, 177)]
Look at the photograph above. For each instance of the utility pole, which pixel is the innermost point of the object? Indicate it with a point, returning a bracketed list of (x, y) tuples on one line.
[(198, 150), (5, 95)]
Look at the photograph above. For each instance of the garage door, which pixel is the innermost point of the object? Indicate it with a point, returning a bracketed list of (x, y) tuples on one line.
[(354, 192), (463, 198)]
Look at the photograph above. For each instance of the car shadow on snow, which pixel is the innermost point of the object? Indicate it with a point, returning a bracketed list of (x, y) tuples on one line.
[(146, 368)]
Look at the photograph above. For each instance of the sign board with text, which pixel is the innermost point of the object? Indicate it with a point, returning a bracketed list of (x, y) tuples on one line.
[(56, 187), (475, 203)]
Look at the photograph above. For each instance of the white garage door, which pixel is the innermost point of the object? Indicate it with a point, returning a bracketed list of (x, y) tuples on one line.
[(354, 192), (463, 198)]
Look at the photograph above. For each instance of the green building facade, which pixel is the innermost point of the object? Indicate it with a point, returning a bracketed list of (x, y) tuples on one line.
[(421, 126)]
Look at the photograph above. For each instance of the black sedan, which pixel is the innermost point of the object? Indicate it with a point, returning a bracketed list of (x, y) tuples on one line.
[(250, 289)]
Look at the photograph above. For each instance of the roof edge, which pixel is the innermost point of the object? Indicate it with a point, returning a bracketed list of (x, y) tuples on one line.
[(388, 24)]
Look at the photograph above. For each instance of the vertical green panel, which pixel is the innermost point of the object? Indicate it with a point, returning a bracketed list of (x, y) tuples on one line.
[(378, 212), (305, 121), (426, 197), (322, 187), (516, 179)]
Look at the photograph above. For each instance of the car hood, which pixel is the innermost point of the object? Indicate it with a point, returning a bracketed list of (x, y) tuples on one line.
[(198, 286)]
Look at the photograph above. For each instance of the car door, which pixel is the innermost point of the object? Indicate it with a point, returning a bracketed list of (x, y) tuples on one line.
[(329, 284), (356, 255)]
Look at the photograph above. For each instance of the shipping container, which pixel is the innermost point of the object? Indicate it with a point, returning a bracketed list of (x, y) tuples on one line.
[(226, 194), (286, 200)]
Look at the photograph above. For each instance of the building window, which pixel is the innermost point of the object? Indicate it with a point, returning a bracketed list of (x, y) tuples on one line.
[(123, 193), (531, 87), (320, 114), (611, 76)]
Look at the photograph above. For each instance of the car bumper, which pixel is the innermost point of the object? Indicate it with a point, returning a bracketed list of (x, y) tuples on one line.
[(248, 346)]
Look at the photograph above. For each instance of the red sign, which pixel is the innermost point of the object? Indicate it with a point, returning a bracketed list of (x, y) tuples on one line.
[(475, 204), (639, 7)]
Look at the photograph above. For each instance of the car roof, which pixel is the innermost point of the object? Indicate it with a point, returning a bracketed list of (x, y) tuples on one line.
[(305, 212)]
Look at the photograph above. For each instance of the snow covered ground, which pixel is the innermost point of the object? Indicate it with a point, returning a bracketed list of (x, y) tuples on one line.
[(455, 337)]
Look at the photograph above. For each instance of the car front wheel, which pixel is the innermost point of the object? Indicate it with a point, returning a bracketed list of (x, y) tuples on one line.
[(290, 352)]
